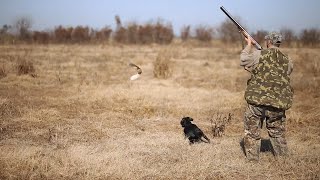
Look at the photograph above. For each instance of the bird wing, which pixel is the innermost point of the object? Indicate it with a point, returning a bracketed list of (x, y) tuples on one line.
[(139, 72)]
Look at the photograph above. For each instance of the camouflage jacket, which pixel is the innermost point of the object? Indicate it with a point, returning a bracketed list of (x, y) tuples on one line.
[(269, 84), (249, 60)]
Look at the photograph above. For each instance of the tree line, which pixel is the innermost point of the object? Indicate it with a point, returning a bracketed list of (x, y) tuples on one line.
[(159, 32)]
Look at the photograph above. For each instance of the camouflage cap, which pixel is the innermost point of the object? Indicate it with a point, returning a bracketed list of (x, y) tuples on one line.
[(275, 37)]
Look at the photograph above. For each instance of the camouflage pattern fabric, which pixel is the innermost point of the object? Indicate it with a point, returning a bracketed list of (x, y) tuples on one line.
[(269, 84), (275, 124), (275, 37)]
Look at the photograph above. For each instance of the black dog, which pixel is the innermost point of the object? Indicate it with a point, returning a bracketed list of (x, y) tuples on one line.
[(192, 132)]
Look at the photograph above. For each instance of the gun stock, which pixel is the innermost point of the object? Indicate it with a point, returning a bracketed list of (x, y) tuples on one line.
[(241, 29)]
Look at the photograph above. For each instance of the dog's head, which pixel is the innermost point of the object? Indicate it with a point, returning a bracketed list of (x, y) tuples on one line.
[(186, 121)]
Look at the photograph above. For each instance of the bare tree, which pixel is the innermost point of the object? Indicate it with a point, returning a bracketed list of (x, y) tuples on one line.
[(145, 33), (5, 28), (118, 21), (288, 36), (62, 34), (132, 30), (5, 34), (162, 32), (120, 35), (80, 34), (259, 36), (228, 31), (104, 34), (23, 25), (310, 37), (204, 33), (41, 37), (185, 33)]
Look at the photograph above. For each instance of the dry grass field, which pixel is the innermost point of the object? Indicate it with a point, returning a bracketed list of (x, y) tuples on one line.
[(71, 112)]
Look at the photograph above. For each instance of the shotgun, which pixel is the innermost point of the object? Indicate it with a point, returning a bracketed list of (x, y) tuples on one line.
[(241, 29)]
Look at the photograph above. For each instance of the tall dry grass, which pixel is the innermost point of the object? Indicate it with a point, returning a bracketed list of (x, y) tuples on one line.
[(82, 118)]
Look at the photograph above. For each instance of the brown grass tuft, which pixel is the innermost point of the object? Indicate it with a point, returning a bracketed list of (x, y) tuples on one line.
[(219, 123), (162, 67), (3, 71), (24, 65), (9, 109)]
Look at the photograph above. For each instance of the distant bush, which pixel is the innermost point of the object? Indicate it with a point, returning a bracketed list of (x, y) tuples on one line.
[(120, 35), (121, 32), (288, 36), (148, 33), (259, 36), (5, 35), (80, 34), (104, 34), (185, 33), (132, 33), (158, 31), (63, 35), (310, 37), (163, 33), (41, 37), (23, 26), (145, 34), (228, 32), (204, 33)]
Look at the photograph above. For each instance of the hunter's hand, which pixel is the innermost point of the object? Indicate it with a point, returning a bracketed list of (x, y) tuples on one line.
[(249, 41)]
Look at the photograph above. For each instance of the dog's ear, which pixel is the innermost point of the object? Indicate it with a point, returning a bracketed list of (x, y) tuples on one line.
[(183, 122)]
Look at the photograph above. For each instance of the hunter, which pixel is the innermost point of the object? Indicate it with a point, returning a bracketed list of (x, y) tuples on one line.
[(268, 95)]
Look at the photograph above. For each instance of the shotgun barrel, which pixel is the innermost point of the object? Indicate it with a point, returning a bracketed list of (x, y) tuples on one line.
[(241, 29)]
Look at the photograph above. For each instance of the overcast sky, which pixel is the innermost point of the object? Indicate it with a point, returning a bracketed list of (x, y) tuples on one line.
[(268, 15)]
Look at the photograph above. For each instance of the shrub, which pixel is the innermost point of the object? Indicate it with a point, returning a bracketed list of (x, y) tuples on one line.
[(310, 37), (259, 36), (204, 33), (288, 36), (40, 37), (219, 124), (162, 67), (103, 34), (24, 65), (132, 33), (23, 25), (228, 32), (163, 33), (80, 34), (145, 34), (8, 109), (185, 33), (63, 35), (120, 34)]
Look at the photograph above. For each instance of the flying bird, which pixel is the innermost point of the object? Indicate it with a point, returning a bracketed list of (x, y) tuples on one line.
[(139, 72)]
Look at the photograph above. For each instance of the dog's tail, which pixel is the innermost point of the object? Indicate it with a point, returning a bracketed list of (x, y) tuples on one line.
[(207, 139)]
